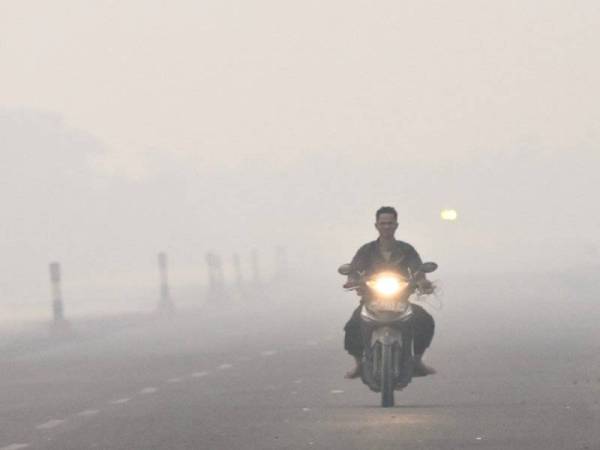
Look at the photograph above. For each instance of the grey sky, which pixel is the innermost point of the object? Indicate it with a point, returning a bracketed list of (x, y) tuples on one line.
[(131, 126)]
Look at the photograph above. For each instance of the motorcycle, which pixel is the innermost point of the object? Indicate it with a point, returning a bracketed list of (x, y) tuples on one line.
[(387, 328)]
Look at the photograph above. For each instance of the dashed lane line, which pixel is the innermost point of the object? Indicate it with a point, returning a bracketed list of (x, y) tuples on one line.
[(337, 391), (50, 424), (88, 412), (148, 390), (174, 380)]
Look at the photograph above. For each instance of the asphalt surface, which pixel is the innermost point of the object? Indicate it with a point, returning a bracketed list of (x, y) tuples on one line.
[(270, 376)]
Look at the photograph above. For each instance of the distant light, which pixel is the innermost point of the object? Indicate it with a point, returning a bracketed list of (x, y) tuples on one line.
[(449, 214)]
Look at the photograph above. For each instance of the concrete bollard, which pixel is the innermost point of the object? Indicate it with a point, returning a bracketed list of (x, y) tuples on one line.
[(237, 268), (281, 262), (254, 260), (165, 304), (59, 323), (216, 280)]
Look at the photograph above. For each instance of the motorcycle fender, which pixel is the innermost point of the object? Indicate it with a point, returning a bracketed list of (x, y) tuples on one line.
[(387, 336)]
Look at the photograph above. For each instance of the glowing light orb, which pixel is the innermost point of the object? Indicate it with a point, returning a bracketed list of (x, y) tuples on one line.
[(449, 214), (388, 286)]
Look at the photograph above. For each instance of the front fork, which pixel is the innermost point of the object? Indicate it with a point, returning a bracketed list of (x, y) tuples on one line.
[(399, 337)]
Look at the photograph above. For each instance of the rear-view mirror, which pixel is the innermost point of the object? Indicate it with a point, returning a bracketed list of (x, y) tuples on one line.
[(428, 267), (344, 269)]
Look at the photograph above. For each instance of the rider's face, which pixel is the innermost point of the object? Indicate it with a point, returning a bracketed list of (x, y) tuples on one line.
[(386, 225)]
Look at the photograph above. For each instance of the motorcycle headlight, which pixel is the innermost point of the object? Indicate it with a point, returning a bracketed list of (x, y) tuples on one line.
[(387, 285)]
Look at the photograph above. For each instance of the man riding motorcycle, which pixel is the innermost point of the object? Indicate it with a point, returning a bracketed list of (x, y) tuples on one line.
[(387, 253)]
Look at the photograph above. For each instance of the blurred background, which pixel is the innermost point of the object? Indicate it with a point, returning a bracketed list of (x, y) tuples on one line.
[(129, 128)]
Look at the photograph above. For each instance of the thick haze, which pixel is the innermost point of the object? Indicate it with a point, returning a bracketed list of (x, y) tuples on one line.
[(137, 126)]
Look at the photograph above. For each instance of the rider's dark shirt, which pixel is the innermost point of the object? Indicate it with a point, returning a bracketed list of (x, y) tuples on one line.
[(369, 259)]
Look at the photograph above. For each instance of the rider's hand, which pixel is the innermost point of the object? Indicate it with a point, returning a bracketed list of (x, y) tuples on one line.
[(425, 286), (360, 290)]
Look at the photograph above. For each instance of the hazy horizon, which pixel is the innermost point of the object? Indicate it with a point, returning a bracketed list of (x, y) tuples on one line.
[(127, 128)]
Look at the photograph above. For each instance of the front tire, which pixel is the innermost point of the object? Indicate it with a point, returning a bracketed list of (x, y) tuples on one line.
[(387, 376)]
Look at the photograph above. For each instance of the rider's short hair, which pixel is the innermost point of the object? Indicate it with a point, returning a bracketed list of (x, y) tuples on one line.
[(386, 210)]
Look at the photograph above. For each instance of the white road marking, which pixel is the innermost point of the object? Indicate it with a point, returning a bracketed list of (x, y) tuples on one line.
[(299, 381), (119, 401), (305, 409), (269, 353), (14, 446), (174, 380), (148, 390), (199, 374), (337, 391), (50, 424), (225, 366), (88, 412)]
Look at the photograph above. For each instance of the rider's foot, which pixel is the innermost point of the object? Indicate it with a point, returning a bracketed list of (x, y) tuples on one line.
[(355, 371), (421, 369)]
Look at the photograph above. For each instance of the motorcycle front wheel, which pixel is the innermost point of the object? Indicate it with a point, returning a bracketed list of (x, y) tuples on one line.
[(387, 376)]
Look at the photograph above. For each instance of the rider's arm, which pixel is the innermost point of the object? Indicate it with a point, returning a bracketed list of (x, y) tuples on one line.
[(414, 262), (358, 264)]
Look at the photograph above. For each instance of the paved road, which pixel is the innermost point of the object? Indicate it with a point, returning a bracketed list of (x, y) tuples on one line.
[(216, 379)]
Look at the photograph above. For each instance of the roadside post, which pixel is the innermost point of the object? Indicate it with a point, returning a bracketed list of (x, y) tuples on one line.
[(281, 262), (165, 304), (216, 288), (58, 311), (255, 268), (237, 269)]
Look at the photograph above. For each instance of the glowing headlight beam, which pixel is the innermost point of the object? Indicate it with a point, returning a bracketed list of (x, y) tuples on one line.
[(387, 285)]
